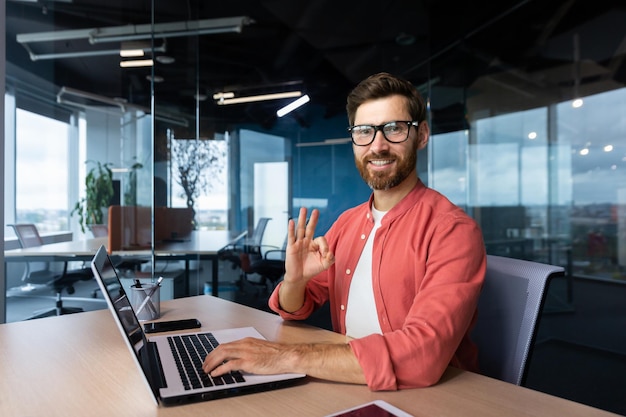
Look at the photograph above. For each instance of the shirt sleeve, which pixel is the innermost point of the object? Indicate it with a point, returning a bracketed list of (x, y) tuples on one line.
[(315, 296)]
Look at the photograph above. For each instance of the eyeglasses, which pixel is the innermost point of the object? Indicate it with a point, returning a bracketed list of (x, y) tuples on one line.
[(394, 132)]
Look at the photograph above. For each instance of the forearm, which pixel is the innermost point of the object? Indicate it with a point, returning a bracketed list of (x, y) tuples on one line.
[(334, 362), (291, 296)]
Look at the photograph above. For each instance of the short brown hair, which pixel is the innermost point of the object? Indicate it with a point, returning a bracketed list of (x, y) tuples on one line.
[(383, 85)]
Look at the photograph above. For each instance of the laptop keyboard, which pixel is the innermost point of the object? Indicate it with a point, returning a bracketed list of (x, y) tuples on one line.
[(189, 353)]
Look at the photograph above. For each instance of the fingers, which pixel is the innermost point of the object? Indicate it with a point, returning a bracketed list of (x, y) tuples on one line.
[(310, 227), (245, 355), (327, 257), (219, 362), (302, 228), (291, 232), (212, 362)]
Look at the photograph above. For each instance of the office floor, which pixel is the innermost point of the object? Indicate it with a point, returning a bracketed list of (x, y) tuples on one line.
[(581, 346)]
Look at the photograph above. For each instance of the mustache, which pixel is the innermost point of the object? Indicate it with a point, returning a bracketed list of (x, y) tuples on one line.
[(375, 155)]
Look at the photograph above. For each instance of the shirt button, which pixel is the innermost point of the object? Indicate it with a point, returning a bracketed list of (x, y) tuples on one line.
[(368, 215), (348, 272), (362, 237), (343, 307)]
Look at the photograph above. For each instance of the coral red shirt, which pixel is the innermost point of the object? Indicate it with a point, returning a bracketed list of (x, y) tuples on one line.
[(428, 269)]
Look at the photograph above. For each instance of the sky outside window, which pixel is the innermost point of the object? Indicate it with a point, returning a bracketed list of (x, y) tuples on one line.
[(41, 164)]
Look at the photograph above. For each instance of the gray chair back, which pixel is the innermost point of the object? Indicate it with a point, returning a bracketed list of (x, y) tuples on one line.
[(508, 313), (259, 231)]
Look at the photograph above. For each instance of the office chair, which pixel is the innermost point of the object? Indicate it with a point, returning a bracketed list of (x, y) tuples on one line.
[(269, 264), (508, 315), (241, 244), (29, 237), (253, 244)]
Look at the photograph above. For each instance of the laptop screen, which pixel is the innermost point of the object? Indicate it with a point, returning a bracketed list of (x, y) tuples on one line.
[(117, 298)]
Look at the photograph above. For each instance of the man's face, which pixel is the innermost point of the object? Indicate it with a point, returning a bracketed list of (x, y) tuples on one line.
[(382, 164)]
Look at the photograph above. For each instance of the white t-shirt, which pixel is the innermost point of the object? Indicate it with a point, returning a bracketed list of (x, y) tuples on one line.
[(361, 317)]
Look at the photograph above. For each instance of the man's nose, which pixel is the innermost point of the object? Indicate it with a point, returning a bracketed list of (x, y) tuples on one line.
[(379, 142)]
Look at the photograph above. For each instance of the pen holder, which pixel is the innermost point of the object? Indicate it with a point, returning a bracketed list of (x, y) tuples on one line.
[(146, 301)]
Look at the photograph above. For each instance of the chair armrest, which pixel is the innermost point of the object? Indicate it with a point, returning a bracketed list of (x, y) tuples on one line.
[(274, 251)]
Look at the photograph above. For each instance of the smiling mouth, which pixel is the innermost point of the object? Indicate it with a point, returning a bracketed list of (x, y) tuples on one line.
[(381, 162)]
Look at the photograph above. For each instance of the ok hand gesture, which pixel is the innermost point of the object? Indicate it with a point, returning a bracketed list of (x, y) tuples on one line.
[(305, 256)]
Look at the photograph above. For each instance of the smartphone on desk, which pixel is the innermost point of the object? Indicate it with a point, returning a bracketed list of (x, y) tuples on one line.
[(172, 325)]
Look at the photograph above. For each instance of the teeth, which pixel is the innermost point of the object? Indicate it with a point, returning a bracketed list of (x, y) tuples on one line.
[(381, 163)]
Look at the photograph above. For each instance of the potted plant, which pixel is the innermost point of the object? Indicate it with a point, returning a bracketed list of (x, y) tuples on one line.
[(98, 194), (130, 193)]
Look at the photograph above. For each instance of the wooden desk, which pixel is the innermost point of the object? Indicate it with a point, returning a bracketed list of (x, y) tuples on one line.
[(78, 365), (202, 245)]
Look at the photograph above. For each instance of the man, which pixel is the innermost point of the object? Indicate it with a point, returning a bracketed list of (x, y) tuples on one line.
[(402, 272)]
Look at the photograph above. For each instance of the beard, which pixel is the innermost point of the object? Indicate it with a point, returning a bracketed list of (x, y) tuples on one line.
[(377, 180)]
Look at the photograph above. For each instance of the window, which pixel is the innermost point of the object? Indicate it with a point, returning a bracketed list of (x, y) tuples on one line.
[(202, 165), (554, 195), (41, 177)]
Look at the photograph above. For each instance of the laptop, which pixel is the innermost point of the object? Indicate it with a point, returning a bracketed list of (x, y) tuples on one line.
[(161, 368)]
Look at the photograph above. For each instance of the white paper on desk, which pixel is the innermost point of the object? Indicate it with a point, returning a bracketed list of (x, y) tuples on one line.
[(376, 408)]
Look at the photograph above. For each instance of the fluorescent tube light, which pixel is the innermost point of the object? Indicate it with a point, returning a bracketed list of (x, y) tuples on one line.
[(137, 63), (131, 53), (262, 97), (134, 49), (219, 96), (293, 105)]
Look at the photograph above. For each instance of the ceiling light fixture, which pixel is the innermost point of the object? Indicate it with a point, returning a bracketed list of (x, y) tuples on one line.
[(130, 33), (131, 53), (293, 105), (134, 49), (84, 99), (219, 96), (577, 103), (137, 63), (260, 97)]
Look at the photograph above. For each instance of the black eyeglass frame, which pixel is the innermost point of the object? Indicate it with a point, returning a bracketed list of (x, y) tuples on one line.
[(380, 128)]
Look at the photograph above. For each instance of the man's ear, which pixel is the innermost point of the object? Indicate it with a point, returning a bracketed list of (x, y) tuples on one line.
[(423, 135)]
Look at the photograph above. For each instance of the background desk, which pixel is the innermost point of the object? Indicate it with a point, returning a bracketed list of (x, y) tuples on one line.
[(78, 365), (202, 246)]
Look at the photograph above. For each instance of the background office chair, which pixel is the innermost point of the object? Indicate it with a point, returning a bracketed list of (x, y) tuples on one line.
[(508, 313), (253, 243), (243, 244), (269, 264), (29, 237)]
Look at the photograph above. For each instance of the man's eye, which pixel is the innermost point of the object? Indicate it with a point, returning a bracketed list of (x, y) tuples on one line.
[(363, 130)]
